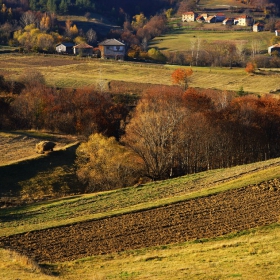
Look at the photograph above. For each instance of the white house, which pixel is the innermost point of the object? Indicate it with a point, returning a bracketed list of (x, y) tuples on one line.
[(277, 32), (243, 20), (189, 16), (274, 48)]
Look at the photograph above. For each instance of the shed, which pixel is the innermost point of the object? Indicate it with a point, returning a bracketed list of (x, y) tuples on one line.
[(112, 48), (83, 49), (65, 48), (274, 48), (277, 32), (257, 27)]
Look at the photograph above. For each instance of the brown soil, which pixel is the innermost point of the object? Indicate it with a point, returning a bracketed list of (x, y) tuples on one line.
[(206, 217)]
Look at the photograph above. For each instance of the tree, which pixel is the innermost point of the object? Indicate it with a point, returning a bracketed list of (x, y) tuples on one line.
[(181, 77), (103, 164), (250, 67), (155, 132), (91, 36)]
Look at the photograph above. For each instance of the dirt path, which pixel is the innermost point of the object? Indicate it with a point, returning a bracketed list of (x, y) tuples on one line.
[(206, 217)]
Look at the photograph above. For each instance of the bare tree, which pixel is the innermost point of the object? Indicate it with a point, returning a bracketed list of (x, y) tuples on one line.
[(28, 18), (91, 36)]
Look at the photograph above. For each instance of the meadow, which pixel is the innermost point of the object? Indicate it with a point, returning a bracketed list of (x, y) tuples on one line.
[(75, 72), (180, 39)]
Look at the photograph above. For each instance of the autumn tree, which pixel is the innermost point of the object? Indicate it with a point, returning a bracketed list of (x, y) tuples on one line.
[(181, 77), (155, 131), (250, 68), (104, 164)]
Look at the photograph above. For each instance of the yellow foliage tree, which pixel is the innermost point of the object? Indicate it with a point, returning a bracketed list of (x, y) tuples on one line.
[(103, 164)]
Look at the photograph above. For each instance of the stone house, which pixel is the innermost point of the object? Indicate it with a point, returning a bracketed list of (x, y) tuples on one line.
[(83, 49), (112, 48)]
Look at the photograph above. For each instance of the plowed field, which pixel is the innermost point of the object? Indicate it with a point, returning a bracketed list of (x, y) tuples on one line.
[(204, 217)]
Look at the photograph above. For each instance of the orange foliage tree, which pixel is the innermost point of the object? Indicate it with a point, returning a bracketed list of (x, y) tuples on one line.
[(181, 77), (250, 67)]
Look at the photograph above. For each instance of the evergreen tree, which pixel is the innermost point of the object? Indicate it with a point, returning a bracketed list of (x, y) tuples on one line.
[(63, 8)]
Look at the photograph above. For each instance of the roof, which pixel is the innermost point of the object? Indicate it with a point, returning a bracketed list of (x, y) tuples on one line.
[(67, 44), (220, 14), (111, 42), (210, 17), (275, 46), (188, 13), (244, 16), (83, 46), (259, 24)]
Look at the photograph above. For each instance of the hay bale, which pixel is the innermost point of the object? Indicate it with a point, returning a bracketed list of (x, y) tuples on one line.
[(44, 146)]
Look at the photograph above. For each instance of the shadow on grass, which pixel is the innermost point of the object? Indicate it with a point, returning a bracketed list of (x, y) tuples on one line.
[(11, 175)]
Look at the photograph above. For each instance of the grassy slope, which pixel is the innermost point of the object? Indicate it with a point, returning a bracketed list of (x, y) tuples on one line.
[(63, 71), (94, 206), (252, 254)]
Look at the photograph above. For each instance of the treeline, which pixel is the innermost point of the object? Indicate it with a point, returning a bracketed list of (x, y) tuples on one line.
[(171, 132), (82, 111), (177, 133), (106, 7)]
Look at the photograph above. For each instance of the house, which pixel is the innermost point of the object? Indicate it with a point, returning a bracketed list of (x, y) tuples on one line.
[(189, 16), (243, 20), (112, 48), (200, 19), (83, 49), (65, 48), (257, 27), (277, 32), (211, 19), (228, 21), (273, 49), (220, 17)]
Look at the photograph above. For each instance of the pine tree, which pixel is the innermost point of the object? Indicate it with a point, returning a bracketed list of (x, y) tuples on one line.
[(63, 8)]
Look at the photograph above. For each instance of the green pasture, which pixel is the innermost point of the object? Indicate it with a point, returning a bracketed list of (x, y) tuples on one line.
[(181, 39), (99, 205), (74, 72), (220, 3)]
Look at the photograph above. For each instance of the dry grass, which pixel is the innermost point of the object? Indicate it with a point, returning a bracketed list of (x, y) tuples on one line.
[(16, 266), (75, 72), (252, 256)]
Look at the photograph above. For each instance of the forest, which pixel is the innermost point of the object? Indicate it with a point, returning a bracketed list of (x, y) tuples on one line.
[(170, 131)]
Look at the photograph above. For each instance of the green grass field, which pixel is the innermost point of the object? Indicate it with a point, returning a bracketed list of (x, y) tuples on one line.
[(180, 39)]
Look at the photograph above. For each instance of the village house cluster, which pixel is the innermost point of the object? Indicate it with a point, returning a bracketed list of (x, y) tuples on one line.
[(108, 49), (242, 20)]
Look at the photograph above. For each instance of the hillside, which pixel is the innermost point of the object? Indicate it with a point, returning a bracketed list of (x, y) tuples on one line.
[(173, 211), (64, 72)]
